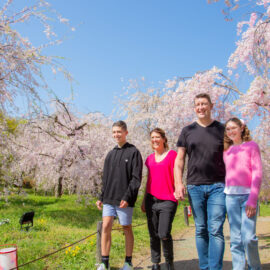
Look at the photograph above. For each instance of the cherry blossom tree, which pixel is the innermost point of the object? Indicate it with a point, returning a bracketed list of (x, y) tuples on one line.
[(64, 152), (21, 61), (171, 106)]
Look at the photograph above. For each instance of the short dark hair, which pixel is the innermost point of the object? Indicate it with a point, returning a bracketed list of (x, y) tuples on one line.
[(120, 124), (203, 95)]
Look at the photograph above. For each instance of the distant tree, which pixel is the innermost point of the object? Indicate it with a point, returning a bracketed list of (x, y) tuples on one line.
[(21, 61), (64, 152)]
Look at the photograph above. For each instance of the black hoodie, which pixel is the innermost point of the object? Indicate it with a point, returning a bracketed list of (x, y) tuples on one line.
[(122, 175)]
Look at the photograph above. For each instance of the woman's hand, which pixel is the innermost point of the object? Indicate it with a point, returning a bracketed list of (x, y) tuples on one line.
[(250, 211), (143, 206)]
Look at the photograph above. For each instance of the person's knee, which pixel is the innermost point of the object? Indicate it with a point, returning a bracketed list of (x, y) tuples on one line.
[(127, 228), (106, 226), (249, 240), (201, 230), (164, 236), (216, 229)]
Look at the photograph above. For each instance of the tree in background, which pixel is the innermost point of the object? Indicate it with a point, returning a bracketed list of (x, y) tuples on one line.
[(21, 61), (171, 107), (66, 152), (62, 152)]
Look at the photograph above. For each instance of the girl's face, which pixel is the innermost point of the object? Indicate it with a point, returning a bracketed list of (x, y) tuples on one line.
[(234, 131), (157, 142)]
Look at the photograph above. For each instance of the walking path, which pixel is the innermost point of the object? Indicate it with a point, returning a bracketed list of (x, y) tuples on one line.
[(186, 254)]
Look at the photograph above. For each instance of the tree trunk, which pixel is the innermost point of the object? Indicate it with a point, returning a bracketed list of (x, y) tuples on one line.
[(59, 188)]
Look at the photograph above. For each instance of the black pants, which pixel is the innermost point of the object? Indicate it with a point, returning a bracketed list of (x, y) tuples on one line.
[(160, 215)]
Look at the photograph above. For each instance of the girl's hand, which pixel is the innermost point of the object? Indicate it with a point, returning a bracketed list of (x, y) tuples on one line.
[(250, 211)]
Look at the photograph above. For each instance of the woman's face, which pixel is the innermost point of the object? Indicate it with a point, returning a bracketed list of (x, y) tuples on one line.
[(157, 142), (234, 131)]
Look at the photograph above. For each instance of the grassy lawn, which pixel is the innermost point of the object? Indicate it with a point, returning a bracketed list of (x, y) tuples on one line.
[(60, 222)]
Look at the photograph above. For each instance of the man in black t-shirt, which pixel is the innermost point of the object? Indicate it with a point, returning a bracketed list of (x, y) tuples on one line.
[(202, 141)]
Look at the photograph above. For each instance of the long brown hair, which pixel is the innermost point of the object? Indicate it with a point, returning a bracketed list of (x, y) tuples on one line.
[(161, 132), (246, 137)]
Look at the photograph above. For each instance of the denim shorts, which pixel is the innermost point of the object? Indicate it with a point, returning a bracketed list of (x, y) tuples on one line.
[(124, 214)]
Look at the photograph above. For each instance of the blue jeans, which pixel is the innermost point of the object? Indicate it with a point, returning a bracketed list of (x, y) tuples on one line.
[(209, 211), (243, 234)]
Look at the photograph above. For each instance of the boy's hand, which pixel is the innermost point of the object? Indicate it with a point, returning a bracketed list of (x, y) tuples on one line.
[(123, 204), (99, 204)]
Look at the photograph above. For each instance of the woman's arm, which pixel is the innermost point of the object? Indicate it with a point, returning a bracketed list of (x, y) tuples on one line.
[(144, 196)]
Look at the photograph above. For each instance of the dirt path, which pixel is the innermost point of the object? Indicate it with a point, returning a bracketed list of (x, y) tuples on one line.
[(186, 254)]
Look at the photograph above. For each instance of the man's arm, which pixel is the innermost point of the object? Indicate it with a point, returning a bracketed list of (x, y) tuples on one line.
[(178, 173), (144, 196)]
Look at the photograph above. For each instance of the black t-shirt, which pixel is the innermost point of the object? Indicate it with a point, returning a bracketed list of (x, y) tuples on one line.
[(204, 147)]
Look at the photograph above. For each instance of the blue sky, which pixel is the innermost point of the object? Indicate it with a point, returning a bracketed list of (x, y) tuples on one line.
[(127, 39)]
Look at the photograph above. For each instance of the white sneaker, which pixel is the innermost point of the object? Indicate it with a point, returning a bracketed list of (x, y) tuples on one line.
[(127, 267), (102, 267)]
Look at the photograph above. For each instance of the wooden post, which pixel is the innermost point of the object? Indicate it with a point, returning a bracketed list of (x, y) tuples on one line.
[(98, 251), (186, 215), (259, 209)]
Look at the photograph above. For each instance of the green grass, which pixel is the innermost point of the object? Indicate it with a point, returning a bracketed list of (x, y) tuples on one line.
[(264, 210), (60, 222)]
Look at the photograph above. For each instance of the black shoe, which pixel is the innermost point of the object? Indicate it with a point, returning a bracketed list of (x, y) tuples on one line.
[(155, 266), (169, 266)]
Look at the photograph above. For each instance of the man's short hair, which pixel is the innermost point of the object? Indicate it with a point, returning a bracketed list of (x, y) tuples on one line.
[(203, 95), (120, 124)]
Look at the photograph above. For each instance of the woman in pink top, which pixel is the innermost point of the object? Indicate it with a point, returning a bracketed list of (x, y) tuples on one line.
[(159, 202), (243, 180)]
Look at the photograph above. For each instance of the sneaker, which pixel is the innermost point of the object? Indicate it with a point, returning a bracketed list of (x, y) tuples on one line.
[(102, 267), (127, 266)]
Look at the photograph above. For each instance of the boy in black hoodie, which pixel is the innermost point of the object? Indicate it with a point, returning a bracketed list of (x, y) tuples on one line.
[(121, 180)]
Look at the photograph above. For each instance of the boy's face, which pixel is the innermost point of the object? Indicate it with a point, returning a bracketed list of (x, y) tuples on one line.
[(119, 135)]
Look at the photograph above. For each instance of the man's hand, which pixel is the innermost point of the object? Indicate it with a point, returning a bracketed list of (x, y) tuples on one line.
[(250, 211), (99, 204), (180, 192), (178, 174), (123, 204)]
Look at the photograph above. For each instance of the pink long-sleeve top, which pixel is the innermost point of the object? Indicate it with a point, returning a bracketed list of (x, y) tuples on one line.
[(244, 169), (160, 181)]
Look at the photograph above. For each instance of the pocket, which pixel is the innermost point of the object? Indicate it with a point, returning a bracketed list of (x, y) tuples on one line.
[(219, 184), (190, 187)]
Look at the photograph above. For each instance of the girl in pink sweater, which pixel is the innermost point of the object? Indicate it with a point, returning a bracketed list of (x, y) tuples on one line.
[(159, 202), (243, 180)]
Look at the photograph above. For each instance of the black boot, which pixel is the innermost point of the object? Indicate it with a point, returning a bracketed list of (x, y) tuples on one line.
[(170, 265), (156, 266)]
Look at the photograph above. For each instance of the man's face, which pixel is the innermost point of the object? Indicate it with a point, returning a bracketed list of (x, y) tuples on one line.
[(119, 135), (202, 108)]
